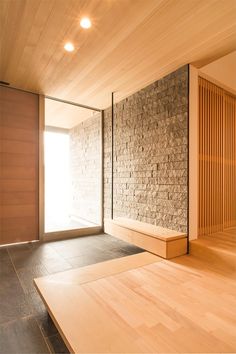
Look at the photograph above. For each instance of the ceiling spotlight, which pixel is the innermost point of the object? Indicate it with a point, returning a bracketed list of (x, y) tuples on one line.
[(69, 47), (85, 22)]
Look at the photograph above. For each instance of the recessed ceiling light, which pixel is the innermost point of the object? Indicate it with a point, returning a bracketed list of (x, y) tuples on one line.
[(69, 47), (85, 22)]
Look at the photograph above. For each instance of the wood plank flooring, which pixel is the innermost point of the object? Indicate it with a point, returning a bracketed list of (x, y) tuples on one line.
[(183, 305), (218, 250)]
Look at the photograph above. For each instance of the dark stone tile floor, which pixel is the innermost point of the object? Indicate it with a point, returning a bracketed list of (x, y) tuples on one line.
[(25, 326)]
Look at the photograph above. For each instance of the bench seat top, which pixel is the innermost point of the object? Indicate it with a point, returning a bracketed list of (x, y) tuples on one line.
[(148, 229)]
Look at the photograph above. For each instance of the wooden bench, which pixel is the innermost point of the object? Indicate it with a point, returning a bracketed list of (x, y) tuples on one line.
[(163, 242)]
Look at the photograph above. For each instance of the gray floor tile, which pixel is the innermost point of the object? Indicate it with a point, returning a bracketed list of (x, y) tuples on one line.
[(23, 315), (27, 276), (84, 260), (4, 255), (34, 256), (22, 336), (46, 325), (25, 259), (13, 303), (56, 265), (20, 247), (14, 309), (6, 269), (57, 345), (132, 249)]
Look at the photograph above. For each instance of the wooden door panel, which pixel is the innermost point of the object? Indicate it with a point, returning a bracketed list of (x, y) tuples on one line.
[(19, 156)]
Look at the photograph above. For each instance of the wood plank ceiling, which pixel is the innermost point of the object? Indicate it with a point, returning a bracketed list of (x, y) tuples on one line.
[(67, 116), (131, 43)]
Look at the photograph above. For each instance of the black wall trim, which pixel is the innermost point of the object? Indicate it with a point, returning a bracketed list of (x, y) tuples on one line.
[(112, 150), (73, 103), (102, 169), (188, 160)]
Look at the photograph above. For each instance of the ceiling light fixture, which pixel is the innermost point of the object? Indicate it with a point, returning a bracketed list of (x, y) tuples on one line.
[(69, 47), (85, 23)]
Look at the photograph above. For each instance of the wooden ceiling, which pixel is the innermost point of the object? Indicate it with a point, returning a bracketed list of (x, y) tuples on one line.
[(66, 116), (131, 43)]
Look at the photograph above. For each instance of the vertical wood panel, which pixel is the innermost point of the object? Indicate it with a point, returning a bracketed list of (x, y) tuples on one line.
[(217, 158), (19, 128), (230, 162)]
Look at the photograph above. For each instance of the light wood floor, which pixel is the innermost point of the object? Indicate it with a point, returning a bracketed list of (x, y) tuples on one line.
[(150, 305), (218, 250), (225, 240)]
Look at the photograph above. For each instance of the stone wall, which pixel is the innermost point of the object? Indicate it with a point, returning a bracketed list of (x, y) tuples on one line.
[(150, 154), (85, 152)]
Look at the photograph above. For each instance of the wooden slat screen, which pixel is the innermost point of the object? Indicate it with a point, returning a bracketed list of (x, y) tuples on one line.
[(217, 152), (230, 162)]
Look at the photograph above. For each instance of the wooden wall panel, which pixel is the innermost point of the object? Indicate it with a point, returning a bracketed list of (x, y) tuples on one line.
[(217, 153), (19, 185)]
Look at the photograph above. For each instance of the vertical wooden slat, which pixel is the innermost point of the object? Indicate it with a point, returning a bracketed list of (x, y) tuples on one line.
[(210, 160), (219, 171), (200, 159), (207, 205), (230, 162), (214, 153), (217, 158), (222, 159)]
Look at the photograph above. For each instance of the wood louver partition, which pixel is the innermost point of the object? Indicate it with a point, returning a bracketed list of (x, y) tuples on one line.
[(19, 150), (230, 162), (217, 158)]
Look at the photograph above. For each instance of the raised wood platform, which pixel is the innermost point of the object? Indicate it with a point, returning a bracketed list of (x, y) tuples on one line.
[(163, 242), (143, 304)]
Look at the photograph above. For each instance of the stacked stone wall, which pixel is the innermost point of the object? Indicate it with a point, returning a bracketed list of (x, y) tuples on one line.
[(85, 156), (150, 154)]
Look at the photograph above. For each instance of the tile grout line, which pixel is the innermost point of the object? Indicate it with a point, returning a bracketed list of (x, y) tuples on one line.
[(18, 277), (15, 270), (28, 303), (47, 345), (44, 338), (56, 335), (13, 320)]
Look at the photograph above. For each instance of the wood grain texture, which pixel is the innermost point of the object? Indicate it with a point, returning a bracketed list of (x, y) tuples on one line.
[(131, 44), (58, 114), (230, 162), (219, 249), (18, 166), (149, 229), (180, 306), (167, 247), (94, 272), (217, 158)]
